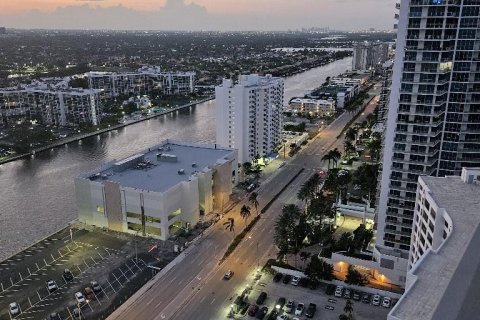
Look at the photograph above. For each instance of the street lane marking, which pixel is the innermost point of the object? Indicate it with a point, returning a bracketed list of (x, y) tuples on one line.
[(212, 301)]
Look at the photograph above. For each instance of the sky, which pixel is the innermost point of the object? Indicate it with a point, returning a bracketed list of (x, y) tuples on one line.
[(197, 14)]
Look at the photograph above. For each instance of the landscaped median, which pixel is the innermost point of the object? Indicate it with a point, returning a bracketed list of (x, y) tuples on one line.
[(252, 223)]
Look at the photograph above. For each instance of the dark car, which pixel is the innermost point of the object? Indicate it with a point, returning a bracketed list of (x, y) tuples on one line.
[(356, 296), (366, 298), (304, 282), (261, 298), (287, 278), (67, 275), (252, 310), (278, 276), (330, 289), (281, 302), (261, 313), (312, 308), (313, 284), (273, 315)]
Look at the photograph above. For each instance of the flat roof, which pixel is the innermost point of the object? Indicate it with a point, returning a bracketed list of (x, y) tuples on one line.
[(448, 281), (160, 175)]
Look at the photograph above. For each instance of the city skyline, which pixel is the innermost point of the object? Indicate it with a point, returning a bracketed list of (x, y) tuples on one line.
[(222, 15)]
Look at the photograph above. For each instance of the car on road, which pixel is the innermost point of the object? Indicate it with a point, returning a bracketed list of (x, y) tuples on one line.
[(79, 297), (261, 313), (51, 286), (287, 278), (95, 286), (330, 289), (67, 275), (339, 291), (356, 295), (14, 308), (228, 275), (312, 308), (290, 306), (366, 298), (277, 277), (272, 315), (347, 294), (280, 302), (299, 309), (387, 301), (376, 300), (252, 310), (261, 298), (295, 280)]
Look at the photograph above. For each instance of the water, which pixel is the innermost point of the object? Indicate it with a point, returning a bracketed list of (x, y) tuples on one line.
[(37, 194)]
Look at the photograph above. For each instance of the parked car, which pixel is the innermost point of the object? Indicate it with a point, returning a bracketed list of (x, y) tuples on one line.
[(289, 306), (366, 298), (67, 275), (339, 291), (273, 315), (278, 276), (51, 286), (77, 313), (386, 302), (261, 298), (283, 317), (313, 284), (299, 309), (88, 293), (356, 295), (79, 297), (287, 278), (376, 300), (228, 275), (261, 313), (312, 308), (295, 280), (14, 308), (54, 316), (304, 282), (252, 310), (330, 289), (280, 302), (95, 286), (347, 294)]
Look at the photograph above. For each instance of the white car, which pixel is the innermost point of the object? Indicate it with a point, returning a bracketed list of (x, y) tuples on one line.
[(299, 309), (79, 297), (295, 280), (376, 300), (386, 302), (228, 275), (339, 291), (14, 308), (51, 286)]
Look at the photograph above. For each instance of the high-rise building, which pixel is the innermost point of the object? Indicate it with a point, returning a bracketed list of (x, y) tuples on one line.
[(249, 115), (367, 55), (433, 121), (443, 278)]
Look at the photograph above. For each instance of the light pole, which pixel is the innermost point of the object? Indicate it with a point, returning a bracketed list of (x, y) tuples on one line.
[(258, 261)]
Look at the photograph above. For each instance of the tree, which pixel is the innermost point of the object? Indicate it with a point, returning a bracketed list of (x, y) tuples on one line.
[(375, 147), (327, 157), (345, 243), (348, 307), (366, 177), (304, 257), (247, 166), (354, 277), (245, 213), (317, 269), (351, 134), (253, 200), (336, 155), (343, 317), (284, 229)]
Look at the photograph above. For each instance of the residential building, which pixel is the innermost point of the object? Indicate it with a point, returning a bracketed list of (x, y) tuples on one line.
[(158, 192), (51, 101), (433, 118), (249, 115), (321, 108), (144, 80), (443, 278), (369, 55), (3, 30)]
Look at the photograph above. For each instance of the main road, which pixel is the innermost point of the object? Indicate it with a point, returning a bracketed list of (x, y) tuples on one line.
[(194, 289)]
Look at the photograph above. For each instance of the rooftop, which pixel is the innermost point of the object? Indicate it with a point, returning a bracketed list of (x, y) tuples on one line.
[(448, 280), (161, 167)]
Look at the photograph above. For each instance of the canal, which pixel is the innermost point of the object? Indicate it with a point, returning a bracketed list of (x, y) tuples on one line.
[(37, 194)]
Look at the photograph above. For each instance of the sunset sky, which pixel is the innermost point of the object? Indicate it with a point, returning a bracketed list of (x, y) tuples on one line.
[(341, 14)]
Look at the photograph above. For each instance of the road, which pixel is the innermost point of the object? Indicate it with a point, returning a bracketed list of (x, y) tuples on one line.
[(194, 289)]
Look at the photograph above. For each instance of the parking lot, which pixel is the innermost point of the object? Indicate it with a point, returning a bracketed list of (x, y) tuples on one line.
[(89, 256), (328, 307)]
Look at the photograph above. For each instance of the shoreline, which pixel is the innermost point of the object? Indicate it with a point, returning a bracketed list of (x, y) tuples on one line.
[(75, 138)]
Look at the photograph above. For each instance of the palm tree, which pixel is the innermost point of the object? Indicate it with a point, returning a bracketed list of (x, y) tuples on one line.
[(336, 155), (375, 146), (327, 157), (253, 200), (348, 308), (245, 213), (351, 134)]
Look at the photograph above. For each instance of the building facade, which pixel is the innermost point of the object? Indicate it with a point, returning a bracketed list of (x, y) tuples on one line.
[(321, 108), (144, 80), (249, 115), (433, 118), (369, 55), (159, 192), (442, 279)]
